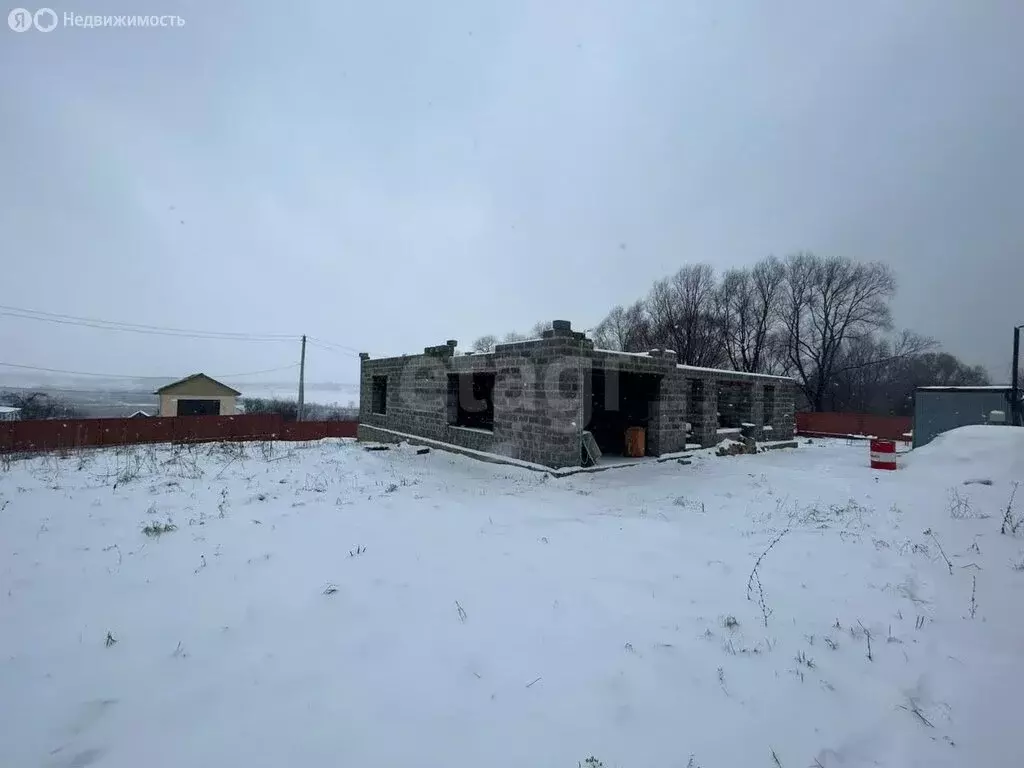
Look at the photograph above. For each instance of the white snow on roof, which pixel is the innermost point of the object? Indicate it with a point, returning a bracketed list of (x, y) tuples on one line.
[(8, 409), (517, 341), (698, 368), (995, 387), (734, 373), (617, 352)]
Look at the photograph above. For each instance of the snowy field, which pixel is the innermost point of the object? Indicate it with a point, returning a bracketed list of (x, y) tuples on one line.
[(323, 605)]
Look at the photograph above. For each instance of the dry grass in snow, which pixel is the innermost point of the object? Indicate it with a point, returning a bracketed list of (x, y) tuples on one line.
[(269, 605)]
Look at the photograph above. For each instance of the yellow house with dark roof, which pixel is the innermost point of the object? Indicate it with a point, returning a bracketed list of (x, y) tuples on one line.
[(197, 395)]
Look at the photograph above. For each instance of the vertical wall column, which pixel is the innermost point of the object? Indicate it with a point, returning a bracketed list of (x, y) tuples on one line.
[(757, 404), (784, 417), (669, 415), (702, 394)]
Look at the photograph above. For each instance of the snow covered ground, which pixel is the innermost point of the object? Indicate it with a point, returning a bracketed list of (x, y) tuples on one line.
[(323, 605)]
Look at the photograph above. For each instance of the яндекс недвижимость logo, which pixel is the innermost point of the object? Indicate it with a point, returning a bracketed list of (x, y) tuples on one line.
[(22, 19)]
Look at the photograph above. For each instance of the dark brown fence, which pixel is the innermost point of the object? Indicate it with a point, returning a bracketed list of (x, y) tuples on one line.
[(57, 434), (852, 424)]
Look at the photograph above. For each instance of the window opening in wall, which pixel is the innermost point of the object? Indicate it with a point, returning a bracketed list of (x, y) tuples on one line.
[(769, 404), (734, 404), (379, 395), (619, 400), (471, 400)]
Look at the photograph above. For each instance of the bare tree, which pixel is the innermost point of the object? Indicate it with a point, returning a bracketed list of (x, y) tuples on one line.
[(906, 346), (747, 303), (826, 302), (536, 331), (485, 343), (637, 322), (40, 405), (775, 356), (682, 312), (665, 315), (880, 376), (701, 335), (823, 321), (624, 329), (857, 384), (616, 331), (611, 332)]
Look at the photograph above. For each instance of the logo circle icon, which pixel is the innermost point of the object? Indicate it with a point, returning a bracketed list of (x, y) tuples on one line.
[(20, 20), (45, 19)]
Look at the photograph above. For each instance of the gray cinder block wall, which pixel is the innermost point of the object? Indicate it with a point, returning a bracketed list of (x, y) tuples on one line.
[(536, 398), (704, 414), (541, 398)]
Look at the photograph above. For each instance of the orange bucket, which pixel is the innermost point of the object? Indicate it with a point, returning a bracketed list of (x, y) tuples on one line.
[(636, 442)]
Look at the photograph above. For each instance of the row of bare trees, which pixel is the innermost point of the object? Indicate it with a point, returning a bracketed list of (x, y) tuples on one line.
[(825, 321)]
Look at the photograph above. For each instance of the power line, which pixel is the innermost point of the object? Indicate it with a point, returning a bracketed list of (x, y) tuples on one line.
[(256, 373), (330, 346), (108, 392), (144, 390), (137, 325), (114, 393), (141, 376), (116, 325)]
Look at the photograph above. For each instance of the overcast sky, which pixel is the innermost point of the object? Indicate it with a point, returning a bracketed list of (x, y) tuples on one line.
[(388, 175)]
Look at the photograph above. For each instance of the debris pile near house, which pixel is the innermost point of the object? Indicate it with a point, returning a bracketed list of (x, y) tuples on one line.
[(736, 447)]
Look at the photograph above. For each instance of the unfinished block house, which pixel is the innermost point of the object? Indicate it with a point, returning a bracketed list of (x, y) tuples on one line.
[(550, 400)]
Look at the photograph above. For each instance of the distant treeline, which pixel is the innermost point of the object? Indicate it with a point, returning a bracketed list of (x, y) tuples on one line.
[(825, 321), (289, 409), (39, 405)]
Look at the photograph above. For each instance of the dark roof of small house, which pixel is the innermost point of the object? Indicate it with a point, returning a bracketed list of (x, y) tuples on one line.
[(195, 377)]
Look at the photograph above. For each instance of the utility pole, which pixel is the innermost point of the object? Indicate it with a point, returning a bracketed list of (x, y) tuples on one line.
[(1015, 409), (302, 380)]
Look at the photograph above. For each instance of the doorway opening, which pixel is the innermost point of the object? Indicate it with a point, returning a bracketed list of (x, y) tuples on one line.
[(617, 401), (199, 407)]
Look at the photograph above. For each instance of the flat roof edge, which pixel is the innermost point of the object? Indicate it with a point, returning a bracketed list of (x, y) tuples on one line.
[(956, 388)]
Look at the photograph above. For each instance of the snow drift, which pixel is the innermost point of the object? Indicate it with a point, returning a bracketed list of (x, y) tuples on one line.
[(974, 451)]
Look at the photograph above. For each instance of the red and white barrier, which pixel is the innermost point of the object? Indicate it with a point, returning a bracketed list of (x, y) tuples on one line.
[(883, 454)]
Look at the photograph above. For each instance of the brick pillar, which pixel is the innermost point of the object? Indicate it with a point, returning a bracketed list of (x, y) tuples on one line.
[(705, 422), (671, 414), (757, 413), (784, 420)]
